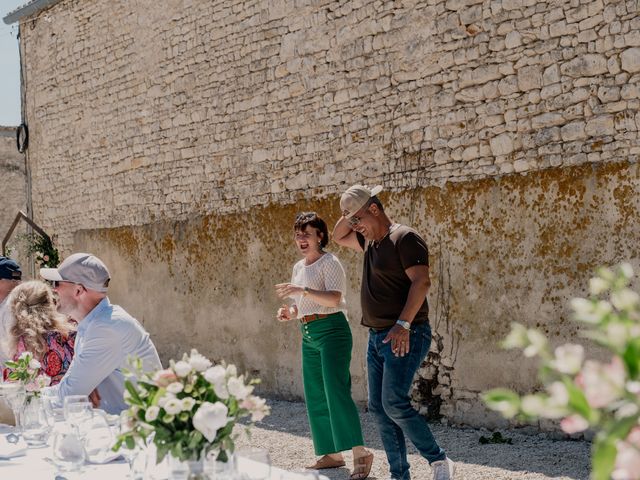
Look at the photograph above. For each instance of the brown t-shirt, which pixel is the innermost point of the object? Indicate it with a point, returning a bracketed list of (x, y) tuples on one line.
[(385, 285)]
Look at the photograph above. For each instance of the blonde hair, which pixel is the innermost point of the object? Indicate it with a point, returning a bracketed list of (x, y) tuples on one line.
[(34, 309)]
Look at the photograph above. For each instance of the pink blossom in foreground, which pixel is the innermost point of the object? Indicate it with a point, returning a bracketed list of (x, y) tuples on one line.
[(602, 384), (628, 458), (574, 424)]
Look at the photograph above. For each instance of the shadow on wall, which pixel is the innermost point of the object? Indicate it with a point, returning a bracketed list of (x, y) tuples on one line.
[(504, 249)]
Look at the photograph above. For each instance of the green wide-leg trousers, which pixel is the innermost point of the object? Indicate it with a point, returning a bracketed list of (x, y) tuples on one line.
[(326, 356)]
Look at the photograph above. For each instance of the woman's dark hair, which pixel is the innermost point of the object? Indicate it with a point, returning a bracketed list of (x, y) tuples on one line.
[(312, 219)]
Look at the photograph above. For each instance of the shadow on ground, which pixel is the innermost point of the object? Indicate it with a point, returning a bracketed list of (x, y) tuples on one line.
[(286, 434)]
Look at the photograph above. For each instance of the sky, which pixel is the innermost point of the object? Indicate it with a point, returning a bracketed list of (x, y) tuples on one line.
[(9, 67)]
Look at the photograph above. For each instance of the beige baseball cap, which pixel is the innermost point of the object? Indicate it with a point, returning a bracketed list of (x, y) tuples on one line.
[(82, 268), (356, 197)]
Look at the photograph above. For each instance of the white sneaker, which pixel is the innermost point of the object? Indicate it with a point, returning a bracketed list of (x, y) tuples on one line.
[(443, 469)]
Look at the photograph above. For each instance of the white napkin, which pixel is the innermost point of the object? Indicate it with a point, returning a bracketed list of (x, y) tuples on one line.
[(10, 450), (103, 456)]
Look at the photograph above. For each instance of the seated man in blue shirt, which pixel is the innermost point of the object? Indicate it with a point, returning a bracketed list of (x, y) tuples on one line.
[(107, 335)]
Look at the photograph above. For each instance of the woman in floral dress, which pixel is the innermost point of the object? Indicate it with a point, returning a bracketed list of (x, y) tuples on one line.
[(39, 328)]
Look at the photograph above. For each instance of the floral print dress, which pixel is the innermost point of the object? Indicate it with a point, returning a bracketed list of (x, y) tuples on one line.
[(56, 359)]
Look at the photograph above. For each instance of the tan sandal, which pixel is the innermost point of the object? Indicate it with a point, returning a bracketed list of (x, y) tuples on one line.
[(362, 467), (326, 462)]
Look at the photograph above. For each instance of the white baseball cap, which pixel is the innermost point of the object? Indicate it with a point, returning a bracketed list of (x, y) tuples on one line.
[(82, 268), (356, 197)]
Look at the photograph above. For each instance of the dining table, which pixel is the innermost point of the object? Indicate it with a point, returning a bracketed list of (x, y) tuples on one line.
[(26, 463)]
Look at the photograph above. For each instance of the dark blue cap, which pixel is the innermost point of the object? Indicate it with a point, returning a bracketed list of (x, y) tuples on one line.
[(9, 269)]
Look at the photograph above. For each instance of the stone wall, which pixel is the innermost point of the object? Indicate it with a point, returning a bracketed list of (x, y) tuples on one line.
[(179, 142), (13, 193)]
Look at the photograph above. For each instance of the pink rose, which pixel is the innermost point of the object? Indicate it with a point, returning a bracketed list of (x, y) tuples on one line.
[(163, 378)]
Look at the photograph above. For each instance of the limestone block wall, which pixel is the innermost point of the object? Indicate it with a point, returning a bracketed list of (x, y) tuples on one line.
[(179, 142), (13, 193)]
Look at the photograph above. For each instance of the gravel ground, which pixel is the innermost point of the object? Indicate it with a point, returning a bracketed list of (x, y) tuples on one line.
[(285, 434)]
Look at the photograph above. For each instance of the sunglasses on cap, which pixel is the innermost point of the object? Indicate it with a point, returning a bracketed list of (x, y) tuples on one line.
[(57, 283)]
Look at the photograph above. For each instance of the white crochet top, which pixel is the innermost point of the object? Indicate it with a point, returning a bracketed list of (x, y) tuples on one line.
[(327, 274)]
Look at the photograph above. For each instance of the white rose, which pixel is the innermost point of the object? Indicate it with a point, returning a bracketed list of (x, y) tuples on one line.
[(214, 374), (182, 368), (173, 406), (187, 404), (210, 418), (232, 371), (238, 389), (24, 355), (175, 387), (257, 406), (199, 362), (221, 390), (162, 401), (34, 364), (152, 413)]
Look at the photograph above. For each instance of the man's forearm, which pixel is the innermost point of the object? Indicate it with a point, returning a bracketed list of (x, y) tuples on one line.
[(341, 229)]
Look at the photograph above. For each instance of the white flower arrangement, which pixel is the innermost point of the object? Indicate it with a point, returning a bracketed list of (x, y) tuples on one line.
[(26, 369), (192, 407)]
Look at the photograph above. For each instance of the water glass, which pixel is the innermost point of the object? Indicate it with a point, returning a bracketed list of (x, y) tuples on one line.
[(35, 428), (77, 410), (52, 407), (68, 450), (253, 463), (14, 394), (98, 438)]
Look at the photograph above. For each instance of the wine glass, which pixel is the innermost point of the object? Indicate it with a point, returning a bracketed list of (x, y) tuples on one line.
[(67, 448), (254, 463)]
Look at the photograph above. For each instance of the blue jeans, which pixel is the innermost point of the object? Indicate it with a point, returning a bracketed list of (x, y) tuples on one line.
[(390, 379)]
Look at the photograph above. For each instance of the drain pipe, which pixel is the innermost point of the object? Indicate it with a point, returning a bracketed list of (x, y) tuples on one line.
[(23, 116)]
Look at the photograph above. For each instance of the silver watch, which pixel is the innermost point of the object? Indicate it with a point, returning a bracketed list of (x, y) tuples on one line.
[(404, 324)]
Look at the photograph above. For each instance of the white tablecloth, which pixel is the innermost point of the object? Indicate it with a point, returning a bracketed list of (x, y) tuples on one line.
[(34, 465)]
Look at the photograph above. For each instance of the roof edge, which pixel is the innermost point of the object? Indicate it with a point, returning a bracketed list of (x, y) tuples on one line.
[(28, 9)]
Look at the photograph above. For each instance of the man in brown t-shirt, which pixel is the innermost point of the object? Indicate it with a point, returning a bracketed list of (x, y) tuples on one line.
[(395, 282)]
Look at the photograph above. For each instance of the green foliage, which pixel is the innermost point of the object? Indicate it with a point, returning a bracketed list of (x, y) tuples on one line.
[(496, 437), (42, 248)]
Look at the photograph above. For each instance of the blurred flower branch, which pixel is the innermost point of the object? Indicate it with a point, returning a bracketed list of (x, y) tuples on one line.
[(588, 394)]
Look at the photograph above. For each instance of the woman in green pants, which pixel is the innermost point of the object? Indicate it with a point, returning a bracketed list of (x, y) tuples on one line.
[(317, 288)]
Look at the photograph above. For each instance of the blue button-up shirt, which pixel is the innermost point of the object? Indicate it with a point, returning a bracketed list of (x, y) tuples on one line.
[(107, 338)]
